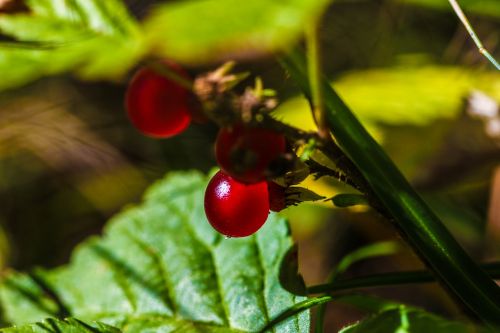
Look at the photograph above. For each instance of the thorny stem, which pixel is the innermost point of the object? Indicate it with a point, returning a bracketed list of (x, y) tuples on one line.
[(349, 173), (456, 7), (413, 218)]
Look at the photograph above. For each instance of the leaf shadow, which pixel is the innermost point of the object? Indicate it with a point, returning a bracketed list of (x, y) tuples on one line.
[(289, 276)]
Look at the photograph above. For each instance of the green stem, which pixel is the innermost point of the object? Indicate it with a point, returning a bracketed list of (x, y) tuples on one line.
[(336, 289), (165, 71), (320, 319), (456, 7), (314, 73), (297, 308), (415, 221), (363, 253), (389, 279), (362, 302)]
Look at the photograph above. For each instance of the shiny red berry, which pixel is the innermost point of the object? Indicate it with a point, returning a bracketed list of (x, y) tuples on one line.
[(277, 199), (246, 153), (156, 105), (236, 209)]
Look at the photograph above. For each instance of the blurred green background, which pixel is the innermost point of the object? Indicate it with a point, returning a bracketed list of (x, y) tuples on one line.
[(69, 159)]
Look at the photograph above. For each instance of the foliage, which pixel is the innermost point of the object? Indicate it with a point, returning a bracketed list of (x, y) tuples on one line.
[(160, 266), (94, 38), (228, 28), (402, 95), (99, 39), (399, 201), (408, 320)]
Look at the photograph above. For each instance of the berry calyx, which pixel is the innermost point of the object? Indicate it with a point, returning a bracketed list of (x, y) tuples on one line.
[(247, 153), (236, 209), (277, 197), (157, 106)]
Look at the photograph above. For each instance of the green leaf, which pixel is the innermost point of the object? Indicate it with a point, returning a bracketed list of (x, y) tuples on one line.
[(366, 252), (289, 275), (69, 325), (409, 320), (96, 39), (404, 95), (363, 253), (228, 28), (407, 95), (161, 267)]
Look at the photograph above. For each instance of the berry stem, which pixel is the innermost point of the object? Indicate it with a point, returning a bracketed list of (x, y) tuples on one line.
[(167, 72), (350, 173)]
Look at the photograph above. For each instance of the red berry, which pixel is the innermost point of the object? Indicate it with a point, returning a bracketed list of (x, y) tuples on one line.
[(246, 153), (156, 105), (276, 197), (236, 209)]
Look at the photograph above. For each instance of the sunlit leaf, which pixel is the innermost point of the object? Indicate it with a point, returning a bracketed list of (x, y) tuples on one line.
[(211, 30), (161, 267), (97, 39), (404, 95)]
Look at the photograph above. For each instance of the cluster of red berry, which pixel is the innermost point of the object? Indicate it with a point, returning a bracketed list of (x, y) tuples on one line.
[(239, 197)]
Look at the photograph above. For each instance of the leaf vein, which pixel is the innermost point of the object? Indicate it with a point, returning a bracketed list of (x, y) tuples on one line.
[(167, 290), (263, 274), (224, 307)]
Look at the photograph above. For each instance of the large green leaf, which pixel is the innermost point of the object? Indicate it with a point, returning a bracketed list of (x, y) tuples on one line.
[(409, 320), (97, 39), (160, 267), (210, 30), (404, 95)]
